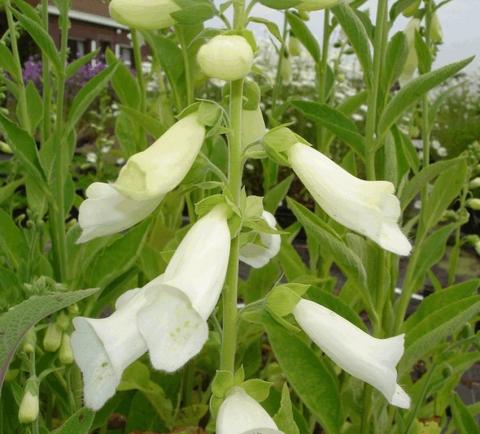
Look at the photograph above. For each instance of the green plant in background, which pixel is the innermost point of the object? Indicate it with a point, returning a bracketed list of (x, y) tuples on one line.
[(175, 335)]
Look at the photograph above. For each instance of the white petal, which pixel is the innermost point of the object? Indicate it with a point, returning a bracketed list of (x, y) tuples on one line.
[(257, 255), (161, 167), (199, 265), (171, 327), (103, 348), (106, 211), (367, 207), (241, 414), (361, 355)]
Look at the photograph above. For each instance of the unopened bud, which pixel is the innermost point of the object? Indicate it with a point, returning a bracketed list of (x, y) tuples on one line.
[(53, 338), (73, 309), (294, 46), (227, 57), (63, 321), (144, 14), (436, 31), (65, 354), (474, 183), (474, 204), (412, 9), (29, 342), (286, 70), (29, 407)]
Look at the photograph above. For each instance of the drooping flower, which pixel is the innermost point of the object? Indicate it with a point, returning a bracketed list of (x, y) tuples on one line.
[(367, 207), (316, 5), (241, 414), (227, 57), (370, 359), (142, 182), (258, 255), (167, 317), (411, 63), (144, 14)]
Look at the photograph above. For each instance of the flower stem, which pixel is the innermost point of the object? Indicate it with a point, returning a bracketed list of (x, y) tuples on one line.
[(380, 45), (46, 88), (186, 63), (322, 69), (137, 55), (235, 169)]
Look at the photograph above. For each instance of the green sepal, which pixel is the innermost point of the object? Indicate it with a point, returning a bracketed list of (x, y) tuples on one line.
[(257, 389), (282, 299)]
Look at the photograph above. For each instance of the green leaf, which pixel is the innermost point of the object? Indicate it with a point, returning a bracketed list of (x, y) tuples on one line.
[(25, 149), (270, 25), (118, 257), (426, 175), (309, 375), (12, 241), (332, 119), (437, 326), (462, 418), (7, 61), (333, 247), (397, 53), (21, 318), (152, 125), (78, 423), (34, 105), (73, 67), (423, 54), (353, 27), (42, 39), (193, 12), (87, 95), (399, 7), (277, 194), (413, 91), (280, 4), (124, 83), (304, 35), (284, 417)]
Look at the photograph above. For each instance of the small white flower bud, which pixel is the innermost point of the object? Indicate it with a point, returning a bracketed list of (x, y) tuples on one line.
[(475, 183), (65, 354), (474, 204), (227, 57), (29, 407), (52, 338), (29, 342)]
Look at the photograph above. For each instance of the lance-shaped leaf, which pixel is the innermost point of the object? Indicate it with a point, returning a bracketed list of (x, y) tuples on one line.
[(303, 33)]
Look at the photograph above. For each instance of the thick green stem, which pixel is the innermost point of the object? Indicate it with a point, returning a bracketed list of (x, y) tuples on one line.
[(46, 88), (22, 96), (380, 44), (186, 63), (277, 87), (322, 69), (137, 55)]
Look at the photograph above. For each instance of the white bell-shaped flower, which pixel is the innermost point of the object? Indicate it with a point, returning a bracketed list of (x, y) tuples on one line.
[(103, 348), (241, 414), (370, 359), (174, 323), (368, 207), (162, 166), (144, 14), (258, 255), (106, 211)]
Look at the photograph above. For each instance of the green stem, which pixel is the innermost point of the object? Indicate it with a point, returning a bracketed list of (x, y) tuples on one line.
[(380, 44), (137, 55), (367, 408), (235, 169), (322, 69), (22, 96), (278, 77), (46, 88), (186, 63)]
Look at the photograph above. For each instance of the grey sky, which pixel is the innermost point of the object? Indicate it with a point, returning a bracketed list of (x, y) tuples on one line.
[(460, 21)]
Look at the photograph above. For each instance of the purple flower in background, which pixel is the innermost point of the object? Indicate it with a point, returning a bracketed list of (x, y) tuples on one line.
[(32, 71)]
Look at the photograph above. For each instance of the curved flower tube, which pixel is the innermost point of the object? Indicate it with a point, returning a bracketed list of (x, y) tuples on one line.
[(162, 166), (370, 359), (367, 207), (258, 255), (167, 317), (174, 324), (142, 182), (144, 14), (241, 414), (107, 212)]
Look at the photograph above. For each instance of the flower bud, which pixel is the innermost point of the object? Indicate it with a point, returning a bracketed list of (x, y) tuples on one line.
[(474, 204), (53, 338), (66, 354), (144, 14), (73, 309), (29, 342), (411, 64), (294, 46), (436, 31), (29, 407), (286, 70), (63, 321), (316, 5), (475, 183), (410, 10), (5, 148), (227, 57)]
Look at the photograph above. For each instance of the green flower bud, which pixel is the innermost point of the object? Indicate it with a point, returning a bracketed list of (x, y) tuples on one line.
[(5, 148), (227, 57), (29, 407), (65, 354), (144, 14), (63, 321), (436, 31), (286, 70), (29, 342), (411, 64), (412, 9), (475, 183), (73, 309), (294, 46), (474, 204), (53, 338), (316, 5)]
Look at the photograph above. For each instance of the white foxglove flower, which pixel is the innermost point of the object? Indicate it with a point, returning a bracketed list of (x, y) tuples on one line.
[(162, 166), (370, 359), (258, 255), (227, 57), (174, 324), (241, 414), (144, 14), (367, 207), (106, 211)]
